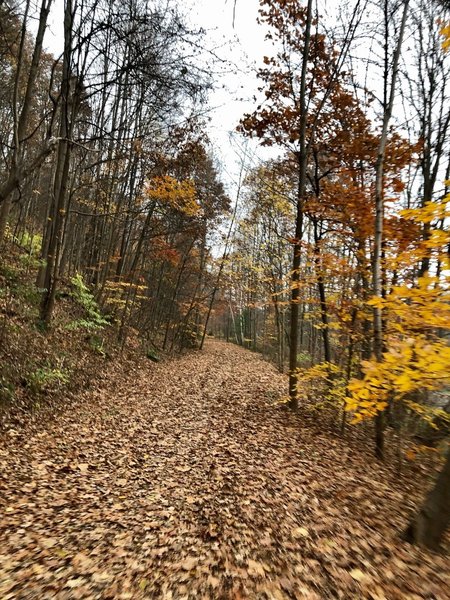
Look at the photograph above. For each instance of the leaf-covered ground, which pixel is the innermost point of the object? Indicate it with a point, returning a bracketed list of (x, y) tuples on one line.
[(185, 480)]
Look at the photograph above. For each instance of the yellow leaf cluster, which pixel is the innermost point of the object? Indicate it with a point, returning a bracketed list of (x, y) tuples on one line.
[(411, 364), (425, 306), (115, 286), (179, 195), (445, 31), (417, 358), (428, 213), (414, 450), (322, 370), (324, 380)]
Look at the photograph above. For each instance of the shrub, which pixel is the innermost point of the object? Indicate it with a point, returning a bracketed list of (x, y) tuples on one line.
[(84, 298), (47, 378)]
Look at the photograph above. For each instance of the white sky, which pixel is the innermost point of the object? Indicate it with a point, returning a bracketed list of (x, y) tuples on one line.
[(243, 44)]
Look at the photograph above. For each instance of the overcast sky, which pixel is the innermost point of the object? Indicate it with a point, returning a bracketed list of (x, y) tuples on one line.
[(241, 40), (234, 31)]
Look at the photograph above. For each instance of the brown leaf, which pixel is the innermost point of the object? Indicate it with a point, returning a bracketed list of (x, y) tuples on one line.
[(255, 568), (75, 582), (214, 582), (48, 542), (189, 563), (357, 575), (184, 469), (300, 532), (102, 577), (83, 563)]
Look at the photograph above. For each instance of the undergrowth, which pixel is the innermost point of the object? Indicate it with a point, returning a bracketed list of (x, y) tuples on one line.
[(40, 367), (92, 319)]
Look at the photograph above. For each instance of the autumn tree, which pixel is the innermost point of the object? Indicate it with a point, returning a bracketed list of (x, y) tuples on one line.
[(129, 199), (298, 83)]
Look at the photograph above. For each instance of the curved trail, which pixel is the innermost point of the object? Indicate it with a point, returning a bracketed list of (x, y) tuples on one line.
[(185, 480)]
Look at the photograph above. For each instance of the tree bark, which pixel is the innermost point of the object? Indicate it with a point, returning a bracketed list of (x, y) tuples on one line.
[(322, 296), (61, 177), (302, 158), (429, 525), (379, 221)]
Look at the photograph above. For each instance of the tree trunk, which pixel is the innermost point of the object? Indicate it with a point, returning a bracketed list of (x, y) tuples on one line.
[(379, 218), (429, 525), (322, 296), (296, 262), (61, 177)]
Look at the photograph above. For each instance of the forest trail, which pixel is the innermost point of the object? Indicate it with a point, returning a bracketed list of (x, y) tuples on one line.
[(185, 480)]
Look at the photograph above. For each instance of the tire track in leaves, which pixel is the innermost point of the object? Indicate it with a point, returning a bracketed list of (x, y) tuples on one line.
[(184, 480)]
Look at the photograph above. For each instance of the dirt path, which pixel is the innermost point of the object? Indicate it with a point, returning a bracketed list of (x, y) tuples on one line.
[(184, 480)]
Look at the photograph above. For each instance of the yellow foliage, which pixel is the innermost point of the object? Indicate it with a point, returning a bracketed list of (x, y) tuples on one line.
[(432, 211), (423, 307), (323, 380), (414, 450), (445, 31), (416, 358), (179, 195), (435, 244), (410, 365)]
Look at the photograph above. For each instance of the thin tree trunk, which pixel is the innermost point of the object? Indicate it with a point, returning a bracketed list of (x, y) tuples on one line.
[(61, 176), (302, 158), (379, 224), (322, 297)]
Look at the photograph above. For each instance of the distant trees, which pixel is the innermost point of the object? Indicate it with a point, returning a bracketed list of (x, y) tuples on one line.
[(22, 66), (299, 82)]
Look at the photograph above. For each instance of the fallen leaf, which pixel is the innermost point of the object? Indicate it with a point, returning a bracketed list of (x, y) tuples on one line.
[(143, 584), (357, 574), (48, 542), (83, 563), (74, 583), (189, 563), (214, 582), (255, 568), (183, 469), (102, 577), (300, 532)]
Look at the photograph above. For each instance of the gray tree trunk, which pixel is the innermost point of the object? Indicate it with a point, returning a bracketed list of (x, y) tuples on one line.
[(378, 343), (429, 525)]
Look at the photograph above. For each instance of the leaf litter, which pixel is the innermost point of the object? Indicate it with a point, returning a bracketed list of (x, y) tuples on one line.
[(186, 480)]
